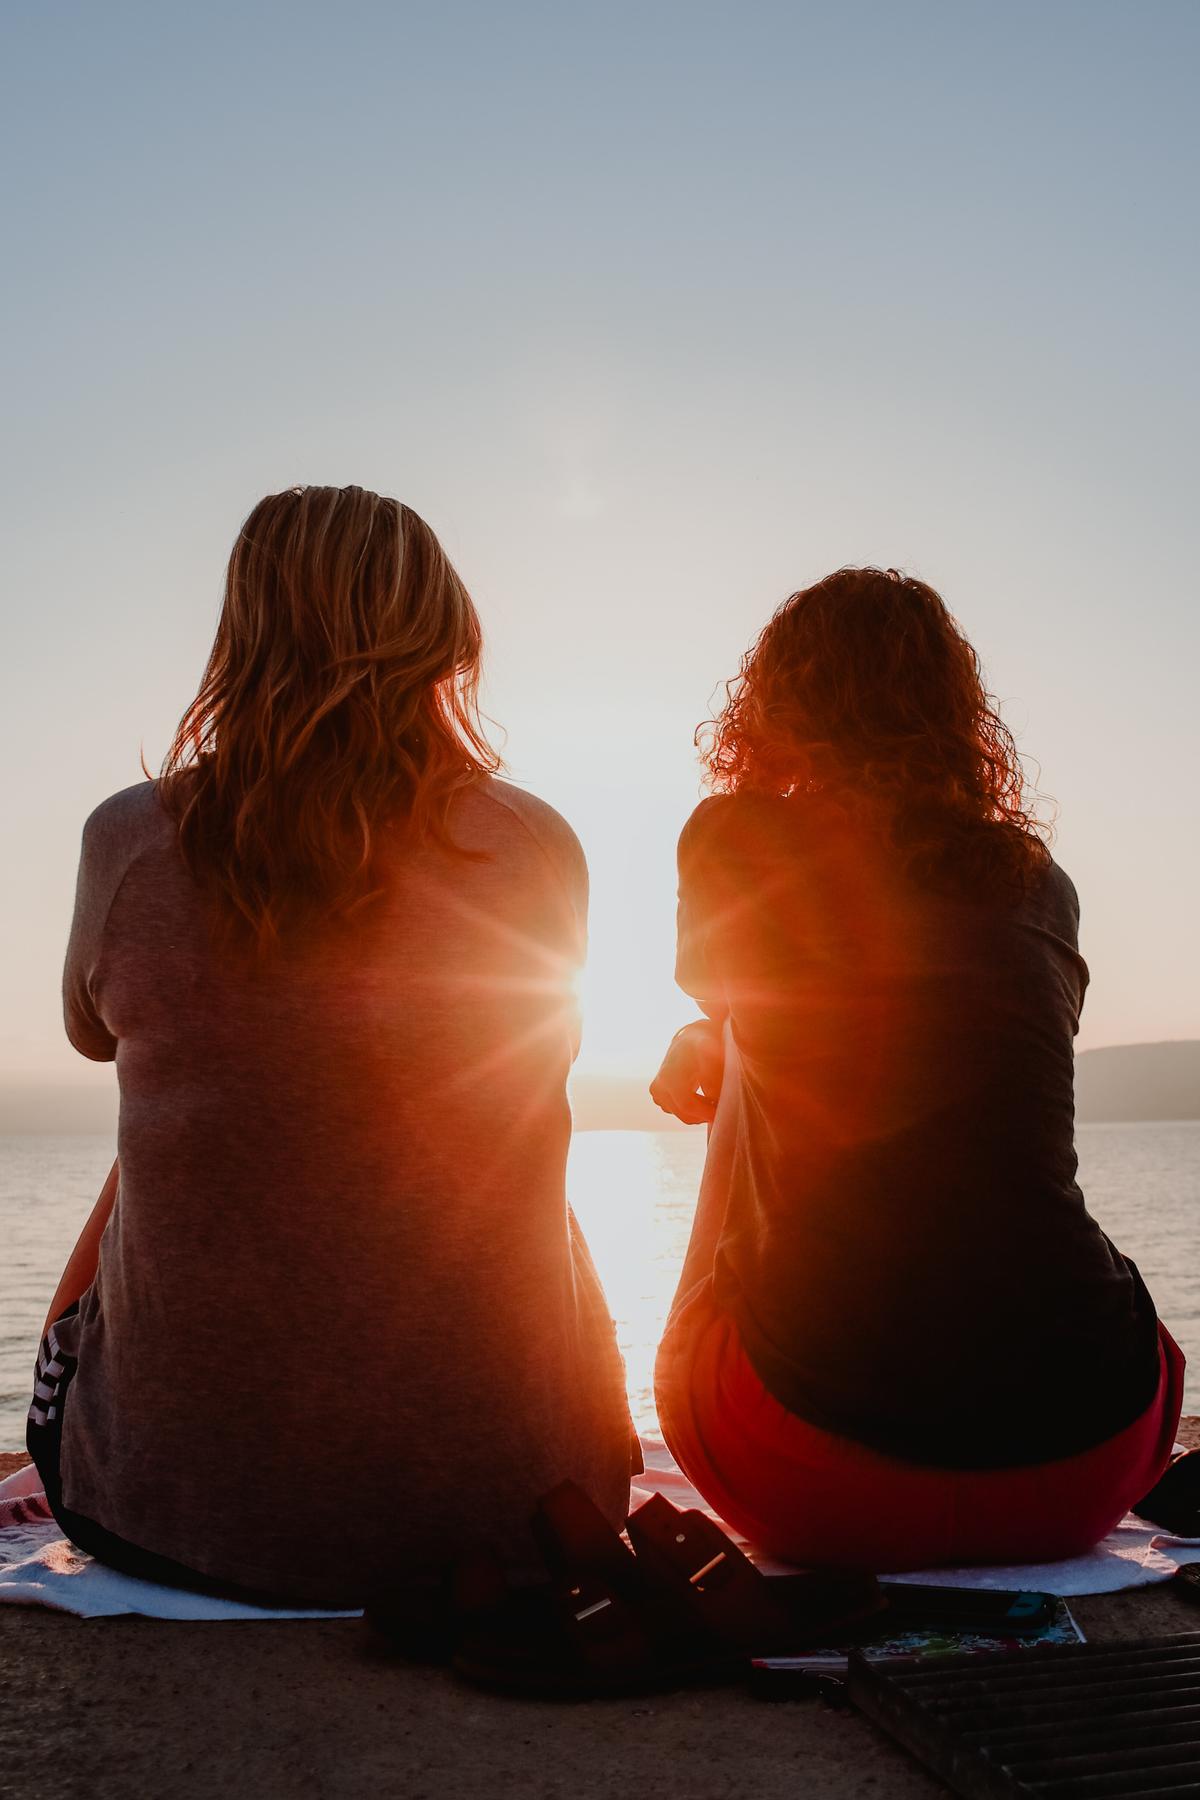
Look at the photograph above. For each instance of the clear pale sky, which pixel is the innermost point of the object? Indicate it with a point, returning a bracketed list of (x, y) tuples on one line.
[(656, 312)]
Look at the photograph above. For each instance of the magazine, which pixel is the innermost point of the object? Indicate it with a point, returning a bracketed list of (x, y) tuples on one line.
[(921, 1643)]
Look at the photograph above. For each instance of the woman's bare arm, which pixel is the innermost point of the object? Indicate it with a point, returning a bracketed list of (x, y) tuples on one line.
[(82, 1263)]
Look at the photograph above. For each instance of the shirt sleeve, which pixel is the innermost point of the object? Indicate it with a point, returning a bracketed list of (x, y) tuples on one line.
[(93, 894), (573, 872), (695, 972), (558, 928)]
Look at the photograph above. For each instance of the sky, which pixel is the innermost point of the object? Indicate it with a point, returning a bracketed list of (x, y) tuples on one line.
[(656, 312)]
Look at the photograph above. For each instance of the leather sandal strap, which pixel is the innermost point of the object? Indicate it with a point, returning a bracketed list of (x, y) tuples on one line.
[(735, 1602), (580, 1546), (687, 1555)]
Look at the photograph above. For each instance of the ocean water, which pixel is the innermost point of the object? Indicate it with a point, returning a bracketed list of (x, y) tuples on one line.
[(633, 1193)]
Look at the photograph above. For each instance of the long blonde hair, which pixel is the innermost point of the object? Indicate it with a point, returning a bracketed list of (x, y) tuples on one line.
[(340, 695)]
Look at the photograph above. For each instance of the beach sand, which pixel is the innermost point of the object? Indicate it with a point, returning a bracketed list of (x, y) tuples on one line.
[(129, 1708)]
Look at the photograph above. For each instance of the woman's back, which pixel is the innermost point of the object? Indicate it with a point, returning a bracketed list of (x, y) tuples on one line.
[(342, 1320), (905, 1249)]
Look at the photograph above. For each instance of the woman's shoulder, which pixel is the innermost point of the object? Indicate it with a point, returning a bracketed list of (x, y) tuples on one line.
[(737, 823), (126, 821), (515, 808), (702, 825), (1052, 891), (118, 834)]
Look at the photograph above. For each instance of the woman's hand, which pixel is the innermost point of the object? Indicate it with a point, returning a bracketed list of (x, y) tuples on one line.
[(689, 1082)]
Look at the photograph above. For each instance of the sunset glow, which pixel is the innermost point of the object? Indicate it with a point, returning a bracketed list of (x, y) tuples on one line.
[(883, 299)]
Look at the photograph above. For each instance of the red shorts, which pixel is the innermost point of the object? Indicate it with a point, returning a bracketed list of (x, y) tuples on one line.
[(810, 1497)]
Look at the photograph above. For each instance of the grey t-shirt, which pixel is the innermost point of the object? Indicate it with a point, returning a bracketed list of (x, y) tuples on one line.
[(344, 1326)]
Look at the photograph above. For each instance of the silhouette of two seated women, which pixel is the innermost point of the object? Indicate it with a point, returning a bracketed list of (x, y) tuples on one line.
[(332, 954)]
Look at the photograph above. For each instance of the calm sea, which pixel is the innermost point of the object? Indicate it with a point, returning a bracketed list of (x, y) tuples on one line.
[(633, 1192)]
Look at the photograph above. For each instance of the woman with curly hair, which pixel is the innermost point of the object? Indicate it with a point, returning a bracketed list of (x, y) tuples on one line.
[(331, 1327), (900, 1339)]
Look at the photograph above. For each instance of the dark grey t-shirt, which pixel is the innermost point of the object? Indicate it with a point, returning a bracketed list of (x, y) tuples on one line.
[(344, 1326), (890, 1182)]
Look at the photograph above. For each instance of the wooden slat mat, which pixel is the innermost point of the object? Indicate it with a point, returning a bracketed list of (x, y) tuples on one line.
[(1116, 1721)]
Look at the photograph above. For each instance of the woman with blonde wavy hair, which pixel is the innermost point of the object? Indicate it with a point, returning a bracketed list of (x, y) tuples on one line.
[(900, 1338), (331, 1326)]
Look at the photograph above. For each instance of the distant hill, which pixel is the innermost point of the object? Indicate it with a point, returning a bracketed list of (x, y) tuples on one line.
[(1124, 1082), (1138, 1081)]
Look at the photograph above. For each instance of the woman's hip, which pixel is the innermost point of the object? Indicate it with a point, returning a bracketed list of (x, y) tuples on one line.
[(810, 1495)]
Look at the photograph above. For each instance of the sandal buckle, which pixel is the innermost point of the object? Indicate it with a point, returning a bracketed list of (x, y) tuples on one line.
[(714, 1562)]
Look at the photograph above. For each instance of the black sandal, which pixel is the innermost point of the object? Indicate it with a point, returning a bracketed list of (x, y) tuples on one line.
[(694, 1564), (683, 1606)]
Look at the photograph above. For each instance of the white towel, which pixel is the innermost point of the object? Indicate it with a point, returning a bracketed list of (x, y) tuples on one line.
[(38, 1567), (1132, 1554)]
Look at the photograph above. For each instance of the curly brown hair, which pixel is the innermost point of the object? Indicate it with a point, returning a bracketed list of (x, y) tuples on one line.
[(862, 690)]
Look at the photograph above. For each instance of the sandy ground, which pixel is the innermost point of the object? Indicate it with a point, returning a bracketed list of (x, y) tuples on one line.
[(121, 1709)]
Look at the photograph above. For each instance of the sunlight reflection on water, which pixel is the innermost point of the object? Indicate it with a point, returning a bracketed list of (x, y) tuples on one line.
[(634, 1193)]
